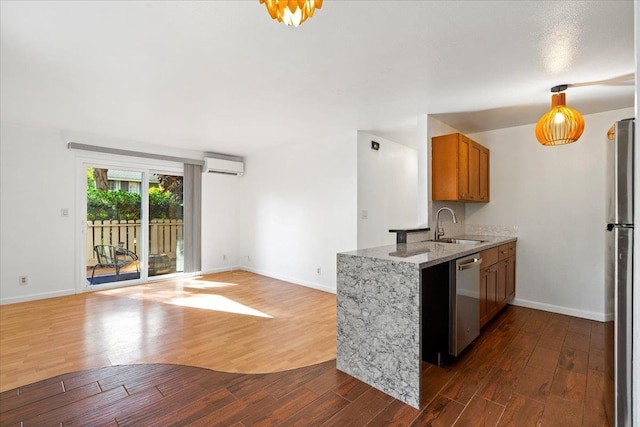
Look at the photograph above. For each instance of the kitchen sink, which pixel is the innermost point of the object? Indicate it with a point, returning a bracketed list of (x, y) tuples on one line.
[(458, 241)]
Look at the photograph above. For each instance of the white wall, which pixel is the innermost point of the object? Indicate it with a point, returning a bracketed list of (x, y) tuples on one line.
[(220, 221), (298, 209), (37, 181), (423, 144), (39, 177), (556, 198), (294, 209), (387, 190)]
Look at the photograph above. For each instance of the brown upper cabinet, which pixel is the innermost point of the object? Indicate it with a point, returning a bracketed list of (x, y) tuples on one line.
[(459, 169)]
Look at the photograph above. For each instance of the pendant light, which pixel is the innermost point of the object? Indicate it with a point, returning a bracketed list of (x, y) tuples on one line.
[(561, 124), (292, 12)]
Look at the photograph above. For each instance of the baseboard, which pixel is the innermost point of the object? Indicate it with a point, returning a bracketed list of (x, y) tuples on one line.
[(33, 297), (66, 292), (591, 315), (291, 280), (220, 270)]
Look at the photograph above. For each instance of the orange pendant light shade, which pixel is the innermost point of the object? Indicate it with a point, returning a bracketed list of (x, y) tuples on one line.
[(560, 125), (292, 12)]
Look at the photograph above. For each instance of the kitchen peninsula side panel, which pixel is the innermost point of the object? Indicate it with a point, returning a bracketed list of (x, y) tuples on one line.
[(378, 336)]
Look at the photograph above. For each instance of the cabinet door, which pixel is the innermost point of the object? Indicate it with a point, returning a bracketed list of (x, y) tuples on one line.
[(492, 291), (501, 297), (464, 146), (474, 171), (444, 167), (484, 175), (484, 283), (511, 278)]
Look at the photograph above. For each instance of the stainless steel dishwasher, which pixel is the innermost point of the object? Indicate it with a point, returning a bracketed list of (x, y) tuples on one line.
[(464, 316)]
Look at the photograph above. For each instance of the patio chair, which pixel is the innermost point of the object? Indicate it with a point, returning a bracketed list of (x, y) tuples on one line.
[(110, 256)]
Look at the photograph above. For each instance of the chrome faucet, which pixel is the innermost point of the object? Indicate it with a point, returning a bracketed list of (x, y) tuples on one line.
[(439, 231)]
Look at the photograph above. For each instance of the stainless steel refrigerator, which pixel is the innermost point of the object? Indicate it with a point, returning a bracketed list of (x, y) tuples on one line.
[(619, 264)]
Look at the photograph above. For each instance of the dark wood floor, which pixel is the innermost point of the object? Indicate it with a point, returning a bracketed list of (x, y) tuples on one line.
[(528, 368)]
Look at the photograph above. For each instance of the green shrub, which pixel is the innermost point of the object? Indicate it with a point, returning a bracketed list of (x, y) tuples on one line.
[(122, 205)]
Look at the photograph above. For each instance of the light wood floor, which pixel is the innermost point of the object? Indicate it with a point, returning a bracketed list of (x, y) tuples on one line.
[(231, 322)]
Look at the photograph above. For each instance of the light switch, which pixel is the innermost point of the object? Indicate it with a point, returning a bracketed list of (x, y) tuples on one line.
[(64, 212)]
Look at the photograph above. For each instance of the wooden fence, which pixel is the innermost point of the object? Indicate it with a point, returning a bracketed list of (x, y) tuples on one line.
[(163, 236)]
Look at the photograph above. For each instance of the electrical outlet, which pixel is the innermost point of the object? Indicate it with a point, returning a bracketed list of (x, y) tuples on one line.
[(64, 212), (224, 257), (23, 280), (365, 214), (319, 270)]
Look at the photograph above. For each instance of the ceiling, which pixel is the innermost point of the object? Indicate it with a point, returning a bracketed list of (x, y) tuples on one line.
[(221, 76)]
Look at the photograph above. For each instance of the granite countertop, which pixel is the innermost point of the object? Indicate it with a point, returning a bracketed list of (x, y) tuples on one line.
[(426, 254)]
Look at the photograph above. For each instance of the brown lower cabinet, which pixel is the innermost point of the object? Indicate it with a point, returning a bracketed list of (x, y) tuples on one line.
[(497, 280)]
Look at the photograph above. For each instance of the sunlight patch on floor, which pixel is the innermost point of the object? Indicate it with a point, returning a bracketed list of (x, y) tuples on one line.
[(190, 293), (205, 284), (217, 303)]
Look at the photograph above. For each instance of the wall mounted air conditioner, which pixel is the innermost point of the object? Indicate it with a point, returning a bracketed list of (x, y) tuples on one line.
[(229, 167)]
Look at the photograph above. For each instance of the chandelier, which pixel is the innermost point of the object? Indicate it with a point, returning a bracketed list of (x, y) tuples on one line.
[(561, 124), (292, 12)]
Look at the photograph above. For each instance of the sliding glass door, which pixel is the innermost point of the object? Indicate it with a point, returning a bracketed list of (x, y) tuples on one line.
[(134, 225), (166, 224), (113, 233)]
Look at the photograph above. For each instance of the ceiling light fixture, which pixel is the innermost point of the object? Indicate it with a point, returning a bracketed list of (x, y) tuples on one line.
[(292, 12), (561, 124)]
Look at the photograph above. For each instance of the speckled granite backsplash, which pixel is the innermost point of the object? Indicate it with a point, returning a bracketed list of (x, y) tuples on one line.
[(451, 229), (491, 230)]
